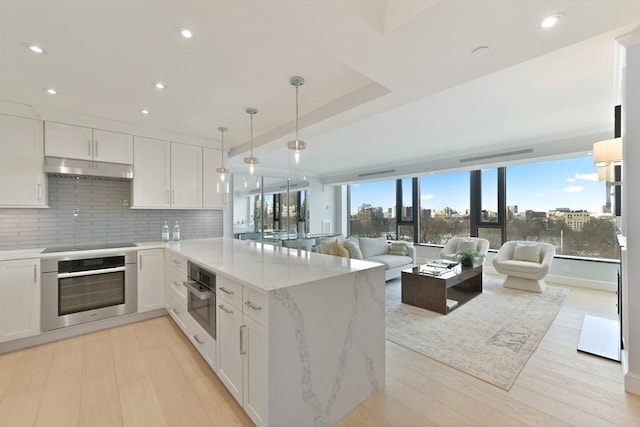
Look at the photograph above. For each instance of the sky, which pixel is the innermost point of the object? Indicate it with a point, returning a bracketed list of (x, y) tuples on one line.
[(569, 183)]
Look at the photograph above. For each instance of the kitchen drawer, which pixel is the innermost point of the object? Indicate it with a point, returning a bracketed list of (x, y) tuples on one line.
[(177, 262), (255, 305), (203, 342), (175, 279), (229, 290), (178, 311)]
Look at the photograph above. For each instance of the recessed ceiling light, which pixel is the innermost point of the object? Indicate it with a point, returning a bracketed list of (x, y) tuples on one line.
[(479, 51), (36, 49), (144, 111), (186, 33), (51, 91), (550, 21), (159, 85)]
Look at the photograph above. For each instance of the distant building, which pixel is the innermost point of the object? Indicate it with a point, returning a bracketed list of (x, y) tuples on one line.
[(529, 214), (576, 220)]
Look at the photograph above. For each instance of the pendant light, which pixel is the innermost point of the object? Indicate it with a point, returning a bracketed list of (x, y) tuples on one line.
[(251, 160), (297, 145), (223, 185)]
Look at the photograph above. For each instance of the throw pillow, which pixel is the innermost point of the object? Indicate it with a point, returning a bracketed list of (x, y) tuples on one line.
[(373, 246), (467, 245), (337, 249), (398, 248), (353, 248), (527, 252), (324, 245)]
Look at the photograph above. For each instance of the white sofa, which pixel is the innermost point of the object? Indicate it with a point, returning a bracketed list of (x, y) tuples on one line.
[(395, 255)]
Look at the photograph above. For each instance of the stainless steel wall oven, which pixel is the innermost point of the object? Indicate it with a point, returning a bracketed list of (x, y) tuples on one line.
[(201, 302), (82, 288)]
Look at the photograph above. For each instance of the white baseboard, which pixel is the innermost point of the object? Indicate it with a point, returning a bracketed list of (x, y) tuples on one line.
[(632, 383), (568, 281), (73, 331)]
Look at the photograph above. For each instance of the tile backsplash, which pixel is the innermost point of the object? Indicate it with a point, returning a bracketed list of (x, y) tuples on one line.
[(103, 216)]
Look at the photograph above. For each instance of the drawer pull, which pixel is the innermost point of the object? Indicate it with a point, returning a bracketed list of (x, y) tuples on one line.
[(195, 337), (176, 312), (252, 306), (226, 291), (225, 309)]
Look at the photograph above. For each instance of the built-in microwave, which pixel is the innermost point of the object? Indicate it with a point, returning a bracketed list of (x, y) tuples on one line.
[(201, 301)]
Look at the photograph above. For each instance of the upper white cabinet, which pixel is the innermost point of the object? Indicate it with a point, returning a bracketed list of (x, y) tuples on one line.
[(19, 299), (212, 191), (186, 176), (22, 182), (77, 142), (152, 173), (167, 174)]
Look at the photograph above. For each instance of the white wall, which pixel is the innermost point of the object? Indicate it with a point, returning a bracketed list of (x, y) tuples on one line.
[(631, 207), (323, 206)]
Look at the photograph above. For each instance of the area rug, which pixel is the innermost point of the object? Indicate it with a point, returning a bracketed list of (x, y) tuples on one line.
[(491, 337)]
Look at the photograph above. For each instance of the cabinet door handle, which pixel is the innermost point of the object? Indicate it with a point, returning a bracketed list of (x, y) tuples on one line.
[(39, 191), (225, 290), (140, 263), (173, 197), (252, 306), (198, 340), (88, 147), (35, 273), (242, 350), (225, 309)]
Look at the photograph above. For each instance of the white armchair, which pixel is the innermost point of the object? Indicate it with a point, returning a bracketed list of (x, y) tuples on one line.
[(456, 244), (526, 264)]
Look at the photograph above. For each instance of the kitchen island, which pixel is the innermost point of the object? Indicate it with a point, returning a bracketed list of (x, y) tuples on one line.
[(314, 349)]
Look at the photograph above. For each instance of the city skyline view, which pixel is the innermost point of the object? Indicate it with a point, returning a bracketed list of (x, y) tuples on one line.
[(568, 183)]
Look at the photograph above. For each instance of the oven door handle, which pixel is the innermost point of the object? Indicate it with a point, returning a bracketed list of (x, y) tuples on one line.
[(195, 291), (91, 272)]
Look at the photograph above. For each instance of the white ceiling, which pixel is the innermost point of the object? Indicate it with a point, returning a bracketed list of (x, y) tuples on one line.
[(387, 82)]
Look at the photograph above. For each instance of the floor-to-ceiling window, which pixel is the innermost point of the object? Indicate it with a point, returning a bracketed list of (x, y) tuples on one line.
[(560, 202), (444, 207), (563, 203), (373, 212)]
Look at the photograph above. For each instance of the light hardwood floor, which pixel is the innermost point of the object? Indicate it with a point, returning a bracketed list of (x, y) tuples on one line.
[(149, 374)]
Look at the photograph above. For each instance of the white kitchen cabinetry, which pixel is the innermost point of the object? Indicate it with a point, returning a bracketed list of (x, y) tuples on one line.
[(19, 299), (152, 173), (151, 279), (212, 188), (77, 142), (166, 174), (186, 176), (22, 182), (176, 293), (203, 342), (242, 347)]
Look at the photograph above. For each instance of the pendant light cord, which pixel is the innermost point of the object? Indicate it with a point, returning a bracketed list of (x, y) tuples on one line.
[(297, 134), (251, 135)]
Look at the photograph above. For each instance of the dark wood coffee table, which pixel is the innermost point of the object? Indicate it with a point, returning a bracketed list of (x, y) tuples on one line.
[(441, 293)]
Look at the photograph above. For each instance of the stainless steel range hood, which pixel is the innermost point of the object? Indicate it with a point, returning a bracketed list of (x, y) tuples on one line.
[(74, 167)]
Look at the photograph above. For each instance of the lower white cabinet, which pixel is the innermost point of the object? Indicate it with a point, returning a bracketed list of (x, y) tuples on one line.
[(255, 370), (229, 329), (242, 346), (19, 299), (151, 281), (203, 342)]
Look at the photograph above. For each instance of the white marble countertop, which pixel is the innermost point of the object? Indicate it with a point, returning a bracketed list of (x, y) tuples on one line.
[(263, 265)]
